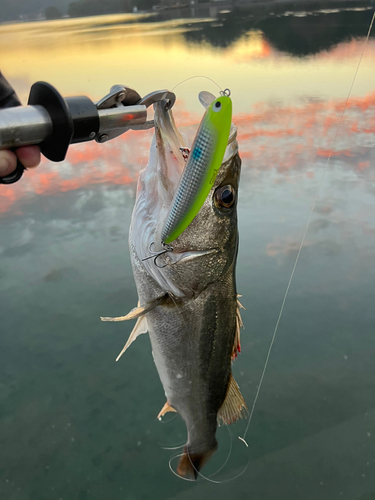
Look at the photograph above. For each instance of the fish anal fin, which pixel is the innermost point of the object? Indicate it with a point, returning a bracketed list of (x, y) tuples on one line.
[(234, 406), (138, 311), (140, 327), (166, 408)]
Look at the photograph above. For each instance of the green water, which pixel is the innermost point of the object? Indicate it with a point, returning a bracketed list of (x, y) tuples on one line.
[(76, 425)]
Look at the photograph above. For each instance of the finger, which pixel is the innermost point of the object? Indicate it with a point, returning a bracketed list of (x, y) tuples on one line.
[(8, 162), (29, 156)]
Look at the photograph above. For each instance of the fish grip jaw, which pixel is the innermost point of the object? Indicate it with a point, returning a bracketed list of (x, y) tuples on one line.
[(121, 95)]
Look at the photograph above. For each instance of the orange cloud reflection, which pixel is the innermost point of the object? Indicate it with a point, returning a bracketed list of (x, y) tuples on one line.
[(85, 165), (296, 136), (271, 137)]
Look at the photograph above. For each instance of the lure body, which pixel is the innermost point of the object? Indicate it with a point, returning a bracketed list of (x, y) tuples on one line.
[(206, 156)]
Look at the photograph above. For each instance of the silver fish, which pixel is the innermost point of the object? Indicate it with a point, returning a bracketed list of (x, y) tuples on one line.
[(189, 307)]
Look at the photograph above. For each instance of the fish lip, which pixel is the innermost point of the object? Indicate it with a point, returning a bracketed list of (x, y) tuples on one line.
[(177, 257)]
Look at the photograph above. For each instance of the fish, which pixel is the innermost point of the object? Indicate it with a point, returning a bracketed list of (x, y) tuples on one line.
[(190, 307)]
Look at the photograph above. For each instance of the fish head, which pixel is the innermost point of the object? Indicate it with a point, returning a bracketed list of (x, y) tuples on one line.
[(208, 246)]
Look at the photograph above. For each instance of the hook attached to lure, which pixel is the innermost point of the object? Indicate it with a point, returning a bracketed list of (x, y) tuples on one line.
[(156, 255)]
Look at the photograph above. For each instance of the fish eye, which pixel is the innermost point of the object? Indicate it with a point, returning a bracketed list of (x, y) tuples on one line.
[(225, 197), (217, 106)]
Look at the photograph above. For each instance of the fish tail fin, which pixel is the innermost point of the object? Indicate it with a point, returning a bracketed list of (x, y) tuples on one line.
[(191, 463)]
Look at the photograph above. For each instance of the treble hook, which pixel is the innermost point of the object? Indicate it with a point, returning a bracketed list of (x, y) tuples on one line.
[(155, 255)]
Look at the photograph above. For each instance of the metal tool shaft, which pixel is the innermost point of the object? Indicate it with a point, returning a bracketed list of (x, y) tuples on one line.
[(117, 119), (24, 126)]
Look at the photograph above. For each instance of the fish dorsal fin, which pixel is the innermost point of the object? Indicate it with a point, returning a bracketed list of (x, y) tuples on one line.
[(137, 311), (140, 327), (234, 405), (239, 324)]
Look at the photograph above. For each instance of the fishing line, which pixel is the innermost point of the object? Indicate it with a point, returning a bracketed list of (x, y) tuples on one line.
[(198, 76), (224, 480), (228, 456), (162, 421), (178, 455), (171, 447), (208, 478), (304, 236)]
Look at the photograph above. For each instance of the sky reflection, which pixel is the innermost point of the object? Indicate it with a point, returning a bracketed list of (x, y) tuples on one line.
[(272, 137)]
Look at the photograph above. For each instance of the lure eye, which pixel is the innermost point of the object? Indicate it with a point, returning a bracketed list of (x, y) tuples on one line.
[(225, 197), (216, 107)]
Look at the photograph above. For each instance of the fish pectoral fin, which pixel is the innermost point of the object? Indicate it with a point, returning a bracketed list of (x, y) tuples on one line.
[(234, 405), (166, 408), (137, 311), (239, 324), (140, 327)]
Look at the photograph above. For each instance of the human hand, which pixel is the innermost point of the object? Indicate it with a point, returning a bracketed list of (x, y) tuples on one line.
[(29, 156)]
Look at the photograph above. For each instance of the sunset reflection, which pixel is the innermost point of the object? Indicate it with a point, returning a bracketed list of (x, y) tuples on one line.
[(287, 111), (87, 56), (271, 138)]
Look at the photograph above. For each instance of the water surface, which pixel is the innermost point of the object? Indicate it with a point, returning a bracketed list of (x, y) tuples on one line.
[(77, 425)]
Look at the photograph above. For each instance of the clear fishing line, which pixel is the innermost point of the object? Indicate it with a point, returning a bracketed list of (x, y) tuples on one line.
[(162, 421), (172, 447), (198, 76), (304, 237), (208, 478)]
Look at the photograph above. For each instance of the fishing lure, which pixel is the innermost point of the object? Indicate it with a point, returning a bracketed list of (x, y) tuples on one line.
[(206, 156)]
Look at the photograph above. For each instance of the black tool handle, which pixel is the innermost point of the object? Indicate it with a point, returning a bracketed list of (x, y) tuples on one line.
[(60, 122)]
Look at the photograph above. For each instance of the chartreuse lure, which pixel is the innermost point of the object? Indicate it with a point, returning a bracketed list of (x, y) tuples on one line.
[(206, 156)]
